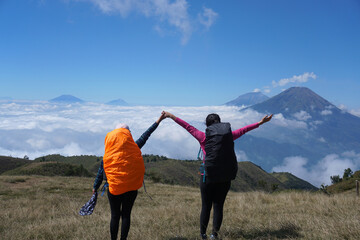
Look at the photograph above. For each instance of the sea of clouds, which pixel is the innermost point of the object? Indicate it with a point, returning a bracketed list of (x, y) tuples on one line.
[(40, 128)]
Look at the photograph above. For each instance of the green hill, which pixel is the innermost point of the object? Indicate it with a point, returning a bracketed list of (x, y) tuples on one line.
[(161, 169), (249, 178), (292, 182), (89, 162), (8, 163), (345, 185), (50, 169), (170, 171)]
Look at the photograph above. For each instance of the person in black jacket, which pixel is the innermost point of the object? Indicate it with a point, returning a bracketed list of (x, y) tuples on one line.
[(217, 145)]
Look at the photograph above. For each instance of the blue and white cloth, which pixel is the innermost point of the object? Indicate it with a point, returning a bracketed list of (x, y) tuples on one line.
[(88, 208)]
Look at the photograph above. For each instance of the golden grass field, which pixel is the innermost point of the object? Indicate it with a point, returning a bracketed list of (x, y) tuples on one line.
[(34, 207)]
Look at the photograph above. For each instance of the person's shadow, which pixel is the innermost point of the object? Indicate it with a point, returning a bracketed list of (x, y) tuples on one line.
[(284, 232)]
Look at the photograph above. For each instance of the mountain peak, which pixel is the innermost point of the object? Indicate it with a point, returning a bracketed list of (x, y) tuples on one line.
[(299, 90), (66, 99), (118, 102), (294, 100), (248, 99)]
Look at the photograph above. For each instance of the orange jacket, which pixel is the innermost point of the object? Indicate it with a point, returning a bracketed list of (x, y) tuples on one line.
[(123, 163)]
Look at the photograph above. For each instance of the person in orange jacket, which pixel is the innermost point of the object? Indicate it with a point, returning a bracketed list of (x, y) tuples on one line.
[(124, 169)]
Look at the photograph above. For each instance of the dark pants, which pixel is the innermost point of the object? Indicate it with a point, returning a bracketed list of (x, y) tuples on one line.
[(121, 205), (212, 194)]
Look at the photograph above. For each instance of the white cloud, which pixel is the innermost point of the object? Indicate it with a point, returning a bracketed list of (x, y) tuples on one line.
[(38, 143), (355, 112), (267, 89), (172, 13), (294, 165), (326, 112), (207, 17), (351, 154), (330, 165), (241, 156), (280, 120), (342, 107), (71, 149), (256, 90), (41, 128), (295, 79), (302, 115)]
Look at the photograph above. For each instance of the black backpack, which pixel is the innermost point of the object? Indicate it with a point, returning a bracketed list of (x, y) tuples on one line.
[(220, 160)]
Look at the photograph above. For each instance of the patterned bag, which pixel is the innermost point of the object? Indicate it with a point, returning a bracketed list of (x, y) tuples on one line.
[(88, 208)]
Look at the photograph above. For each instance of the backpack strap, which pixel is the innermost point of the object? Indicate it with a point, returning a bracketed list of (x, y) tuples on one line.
[(202, 167), (105, 186), (146, 191)]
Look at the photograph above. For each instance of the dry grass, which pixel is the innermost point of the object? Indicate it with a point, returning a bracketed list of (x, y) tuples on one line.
[(47, 208)]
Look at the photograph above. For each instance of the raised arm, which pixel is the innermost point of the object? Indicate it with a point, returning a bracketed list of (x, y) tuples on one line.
[(145, 136), (198, 135), (265, 119), (241, 131)]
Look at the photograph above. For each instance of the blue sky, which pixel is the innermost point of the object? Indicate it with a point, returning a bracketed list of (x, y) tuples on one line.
[(179, 52)]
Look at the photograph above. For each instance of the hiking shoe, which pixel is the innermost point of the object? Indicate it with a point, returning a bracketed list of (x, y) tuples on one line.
[(203, 236), (214, 237)]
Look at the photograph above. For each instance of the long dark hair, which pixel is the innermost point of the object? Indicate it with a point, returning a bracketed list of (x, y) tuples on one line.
[(212, 118)]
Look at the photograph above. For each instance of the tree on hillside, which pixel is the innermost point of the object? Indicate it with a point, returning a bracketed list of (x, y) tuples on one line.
[(348, 173), (323, 188), (335, 179)]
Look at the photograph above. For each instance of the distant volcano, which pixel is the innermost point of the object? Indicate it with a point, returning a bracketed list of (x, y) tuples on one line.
[(118, 102), (66, 99), (304, 124), (248, 99), (294, 100)]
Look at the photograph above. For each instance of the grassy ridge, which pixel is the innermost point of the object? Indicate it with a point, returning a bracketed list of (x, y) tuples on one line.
[(50, 169), (8, 163), (91, 163), (50, 211), (159, 169), (250, 177), (345, 185), (171, 171), (292, 182)]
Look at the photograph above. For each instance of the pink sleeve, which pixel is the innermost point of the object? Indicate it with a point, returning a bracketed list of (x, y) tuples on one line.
[(241, 131), (200, 136)]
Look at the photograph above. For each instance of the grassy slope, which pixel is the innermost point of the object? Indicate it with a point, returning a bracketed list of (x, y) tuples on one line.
[(50, 211), (161, 169), (345, 185), (173, 172), (292, 182), (250, 177), (89, 162), (8, 163), (50, 169)]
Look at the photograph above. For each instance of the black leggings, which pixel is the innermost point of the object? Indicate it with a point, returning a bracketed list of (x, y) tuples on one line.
[(212, 194), (121, 205)]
